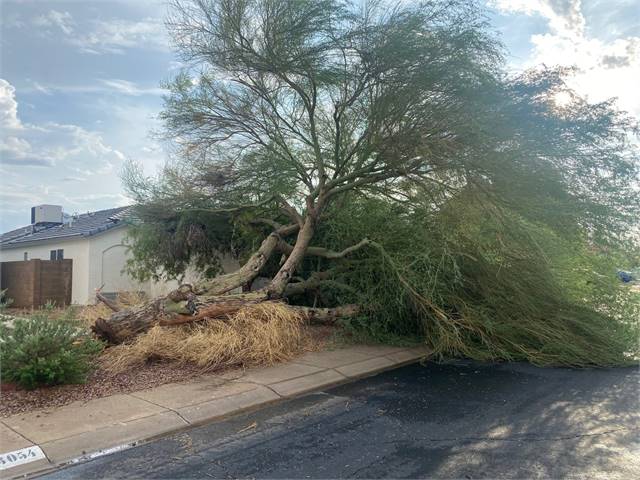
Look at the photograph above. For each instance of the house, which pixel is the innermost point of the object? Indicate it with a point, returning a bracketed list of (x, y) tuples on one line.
[(95, 241)]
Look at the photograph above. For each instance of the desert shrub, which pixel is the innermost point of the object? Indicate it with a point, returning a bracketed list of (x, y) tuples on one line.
[(41, 350)]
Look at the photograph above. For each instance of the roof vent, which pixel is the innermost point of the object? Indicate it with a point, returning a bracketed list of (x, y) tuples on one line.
[(46, 214)]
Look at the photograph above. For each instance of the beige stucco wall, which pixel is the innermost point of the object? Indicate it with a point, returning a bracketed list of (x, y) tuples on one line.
[(107, 259), (75, 249), (100, 260), (109, 252)]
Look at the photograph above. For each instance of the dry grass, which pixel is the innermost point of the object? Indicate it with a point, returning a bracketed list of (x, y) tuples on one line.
[(90, 313), (261, 334)]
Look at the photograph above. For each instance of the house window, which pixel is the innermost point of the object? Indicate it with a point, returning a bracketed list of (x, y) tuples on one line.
[(56, 254), (60, 254), (26, 256)]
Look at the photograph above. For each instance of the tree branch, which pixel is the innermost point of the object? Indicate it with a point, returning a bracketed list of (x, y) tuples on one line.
[(290, 211), (286, 248)]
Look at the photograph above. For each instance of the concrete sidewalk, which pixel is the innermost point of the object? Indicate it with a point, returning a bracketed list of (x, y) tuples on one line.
[(80, 431)]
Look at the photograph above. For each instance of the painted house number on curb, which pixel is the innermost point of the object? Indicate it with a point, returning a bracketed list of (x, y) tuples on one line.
[(18, 457)]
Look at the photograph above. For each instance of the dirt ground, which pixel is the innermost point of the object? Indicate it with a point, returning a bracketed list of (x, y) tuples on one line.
[(101, 383)]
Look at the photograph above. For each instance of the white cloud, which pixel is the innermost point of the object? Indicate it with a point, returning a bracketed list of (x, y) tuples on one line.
[(64, 153), (71, 178), (8, 107), (50, 144), (564, 16), (129, 88), (41, 88), (99, 86), (13, 20), (114, 36), (18, 151), (16, 198), (102, 36), (53, 18), (605, 69)]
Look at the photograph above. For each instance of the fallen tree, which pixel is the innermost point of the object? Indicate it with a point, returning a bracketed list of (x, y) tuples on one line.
[(185, 305), (290, 112)]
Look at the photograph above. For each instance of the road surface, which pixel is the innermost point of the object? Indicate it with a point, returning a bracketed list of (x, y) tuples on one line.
[(460, 420)]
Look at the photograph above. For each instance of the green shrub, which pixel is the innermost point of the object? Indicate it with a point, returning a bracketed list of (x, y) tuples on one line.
[(39, 351)]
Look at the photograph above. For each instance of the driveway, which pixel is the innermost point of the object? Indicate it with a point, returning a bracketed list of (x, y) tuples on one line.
[(459, 420)]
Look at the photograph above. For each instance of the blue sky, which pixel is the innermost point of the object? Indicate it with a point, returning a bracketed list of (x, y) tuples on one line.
[(79, 85)]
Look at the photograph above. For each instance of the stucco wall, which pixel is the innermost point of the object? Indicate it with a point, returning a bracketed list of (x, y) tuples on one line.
[(100, 260), (107, 259), (75, 249), (109, 253)]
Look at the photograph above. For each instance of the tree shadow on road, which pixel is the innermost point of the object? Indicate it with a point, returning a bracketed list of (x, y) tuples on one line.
[(469, 420)]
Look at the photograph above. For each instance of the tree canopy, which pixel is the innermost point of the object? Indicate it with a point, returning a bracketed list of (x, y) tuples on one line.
[(374, 144)]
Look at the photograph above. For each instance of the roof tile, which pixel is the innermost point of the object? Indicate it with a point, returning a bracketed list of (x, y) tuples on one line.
[(83, 225)]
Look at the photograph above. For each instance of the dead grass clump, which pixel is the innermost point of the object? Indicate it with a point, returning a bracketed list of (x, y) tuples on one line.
[(90, 313), (261, 334), (131, 299)]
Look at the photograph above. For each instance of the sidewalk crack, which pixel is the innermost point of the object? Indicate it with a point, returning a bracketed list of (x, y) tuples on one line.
[(18, 433), (272, 390), (162, 406)]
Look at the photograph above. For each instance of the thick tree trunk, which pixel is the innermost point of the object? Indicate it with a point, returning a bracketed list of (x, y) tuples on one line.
[(182, 307), (251, 269), (126, 324), (279, 283)]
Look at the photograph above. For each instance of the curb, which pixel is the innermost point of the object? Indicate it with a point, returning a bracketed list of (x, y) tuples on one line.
[(62, 452)]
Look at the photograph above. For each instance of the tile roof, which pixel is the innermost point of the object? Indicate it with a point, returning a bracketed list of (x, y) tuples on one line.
[(84, 225)]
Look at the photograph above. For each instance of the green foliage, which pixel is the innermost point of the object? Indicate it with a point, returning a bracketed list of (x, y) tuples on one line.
[(165, 249), (484, 283), (497, 214), (40, 351)]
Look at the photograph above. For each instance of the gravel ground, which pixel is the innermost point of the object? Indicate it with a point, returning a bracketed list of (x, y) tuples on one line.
[(101, 383)]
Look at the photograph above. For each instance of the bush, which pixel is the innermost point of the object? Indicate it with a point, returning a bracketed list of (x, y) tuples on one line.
[(39, 351)]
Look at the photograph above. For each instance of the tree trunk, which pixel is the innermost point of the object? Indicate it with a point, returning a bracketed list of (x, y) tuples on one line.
[(188, 304), (328, 316), (178, 308), (279, 283), (250, 270), (126, 324), (183, 304)]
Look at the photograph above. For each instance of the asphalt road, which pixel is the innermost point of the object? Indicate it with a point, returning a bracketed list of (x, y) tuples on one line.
[(461, 420)]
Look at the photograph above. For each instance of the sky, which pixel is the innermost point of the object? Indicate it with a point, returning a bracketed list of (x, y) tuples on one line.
[(80, 85)]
